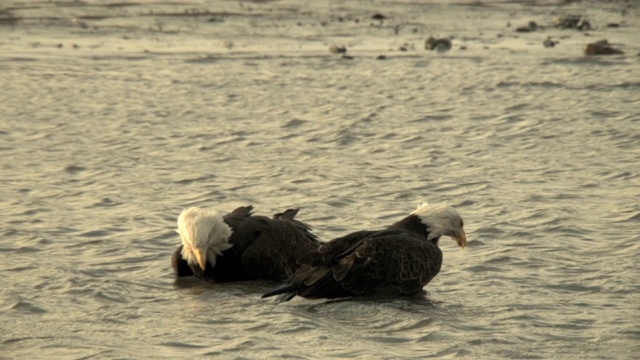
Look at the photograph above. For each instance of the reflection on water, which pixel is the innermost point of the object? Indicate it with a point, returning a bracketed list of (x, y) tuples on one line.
[(116, 116)]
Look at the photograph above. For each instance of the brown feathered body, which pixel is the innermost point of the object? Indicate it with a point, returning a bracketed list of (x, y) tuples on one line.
[(262, 248), (399, 260)]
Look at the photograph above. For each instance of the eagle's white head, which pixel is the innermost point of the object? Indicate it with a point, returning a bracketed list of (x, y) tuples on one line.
[(442, 219), (204, 236)]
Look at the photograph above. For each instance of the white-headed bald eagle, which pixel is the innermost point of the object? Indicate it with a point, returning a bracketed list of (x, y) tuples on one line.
[(398, 260), (240, 246)]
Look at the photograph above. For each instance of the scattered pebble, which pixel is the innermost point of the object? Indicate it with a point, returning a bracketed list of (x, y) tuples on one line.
[(548, 43), (440, 45), (530, 27), (406, 47), (336, 49), (572, 22), (228, 44), (601, 47), (80, 23)]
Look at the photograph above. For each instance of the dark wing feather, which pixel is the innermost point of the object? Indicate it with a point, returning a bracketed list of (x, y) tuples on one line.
[(335, 249), (275, 251), (401, 264), (387, 262), (314, 266), (289, 216), (238, 215)]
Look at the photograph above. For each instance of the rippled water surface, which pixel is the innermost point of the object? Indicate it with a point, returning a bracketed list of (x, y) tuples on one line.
[(114, 116)]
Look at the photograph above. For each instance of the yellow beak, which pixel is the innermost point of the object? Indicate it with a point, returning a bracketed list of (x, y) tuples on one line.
[(461, 239), (202, 258)]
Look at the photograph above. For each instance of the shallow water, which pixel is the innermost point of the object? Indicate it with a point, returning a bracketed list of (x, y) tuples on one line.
[(116, 116)]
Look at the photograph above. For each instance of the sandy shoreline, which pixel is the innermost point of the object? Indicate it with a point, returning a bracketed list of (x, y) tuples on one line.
[(284, 29)]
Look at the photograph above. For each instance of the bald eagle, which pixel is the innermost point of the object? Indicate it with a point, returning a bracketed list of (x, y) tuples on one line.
[(239, 245), (398, 260)]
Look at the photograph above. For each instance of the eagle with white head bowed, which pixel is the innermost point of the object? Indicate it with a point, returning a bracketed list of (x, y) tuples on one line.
[(398, 260)]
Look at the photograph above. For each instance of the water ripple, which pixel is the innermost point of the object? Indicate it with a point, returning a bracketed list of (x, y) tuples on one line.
[(117, 116)]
